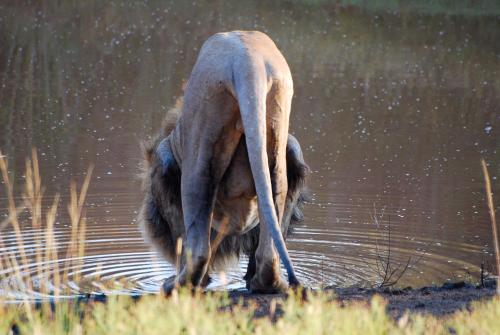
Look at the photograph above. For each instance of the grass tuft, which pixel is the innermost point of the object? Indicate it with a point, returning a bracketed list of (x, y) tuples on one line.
[(213, 314), (15, 275)]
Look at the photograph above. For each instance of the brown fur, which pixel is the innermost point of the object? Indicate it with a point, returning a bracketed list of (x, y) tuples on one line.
[(163, 190), (227, 165)]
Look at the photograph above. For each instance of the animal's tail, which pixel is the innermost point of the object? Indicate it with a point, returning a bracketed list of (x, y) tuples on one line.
[(250, 84)]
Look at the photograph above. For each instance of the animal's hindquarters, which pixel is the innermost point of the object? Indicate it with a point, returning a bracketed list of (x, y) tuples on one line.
[(160, 216)]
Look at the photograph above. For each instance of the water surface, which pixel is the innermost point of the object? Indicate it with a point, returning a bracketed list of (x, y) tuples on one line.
[(393, 111)]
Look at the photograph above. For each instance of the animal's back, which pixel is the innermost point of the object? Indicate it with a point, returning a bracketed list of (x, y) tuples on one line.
[(221, 56), (226, 52)]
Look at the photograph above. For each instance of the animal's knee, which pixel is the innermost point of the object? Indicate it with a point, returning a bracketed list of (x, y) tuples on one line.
[(198, 245), (267, 276), (200, 259), (266, 254)]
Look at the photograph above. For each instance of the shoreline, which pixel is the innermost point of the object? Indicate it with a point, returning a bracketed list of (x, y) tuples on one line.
[(438, 301), (451, 308)]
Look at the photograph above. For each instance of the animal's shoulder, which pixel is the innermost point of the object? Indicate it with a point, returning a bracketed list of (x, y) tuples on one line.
[(240, 42), (239, 36), (222, 41)]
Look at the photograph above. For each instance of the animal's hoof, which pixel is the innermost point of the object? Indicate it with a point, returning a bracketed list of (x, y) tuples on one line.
[(248, 280), (169, 285), (248, 284), (277, 286), (207, 280), (294, 283)]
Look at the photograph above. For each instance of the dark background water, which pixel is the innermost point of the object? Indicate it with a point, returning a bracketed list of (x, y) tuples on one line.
[(394, 107)]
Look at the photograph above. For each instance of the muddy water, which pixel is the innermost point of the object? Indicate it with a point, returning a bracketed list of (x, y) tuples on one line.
[(393, 111)]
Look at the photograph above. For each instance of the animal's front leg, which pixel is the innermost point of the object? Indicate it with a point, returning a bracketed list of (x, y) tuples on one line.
[(198, 192), (199, 183), (209, 139)]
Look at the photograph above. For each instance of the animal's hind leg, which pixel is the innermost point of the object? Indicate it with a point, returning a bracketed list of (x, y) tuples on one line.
[(251, 269), (296, 173), (267, 277)]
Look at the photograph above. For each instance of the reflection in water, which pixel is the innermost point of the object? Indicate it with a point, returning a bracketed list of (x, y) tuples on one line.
[(393, 113)]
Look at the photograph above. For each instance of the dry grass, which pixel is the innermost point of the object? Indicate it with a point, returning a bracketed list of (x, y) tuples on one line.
[(491, 208), (46, 248), (188, 313)]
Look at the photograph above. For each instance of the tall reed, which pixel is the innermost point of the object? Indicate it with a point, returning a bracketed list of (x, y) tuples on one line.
[(491, 208), (15, 276)]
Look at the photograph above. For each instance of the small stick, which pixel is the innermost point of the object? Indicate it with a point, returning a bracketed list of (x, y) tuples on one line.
[(493, 220), (178, 252)]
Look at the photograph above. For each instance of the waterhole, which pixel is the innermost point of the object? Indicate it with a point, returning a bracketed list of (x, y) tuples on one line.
[(394, 111)]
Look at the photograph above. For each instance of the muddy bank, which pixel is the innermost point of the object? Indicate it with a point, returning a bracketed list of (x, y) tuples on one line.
[(436, 300)]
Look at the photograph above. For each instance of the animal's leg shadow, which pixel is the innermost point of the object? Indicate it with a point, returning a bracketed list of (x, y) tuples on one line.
[(251, 269)]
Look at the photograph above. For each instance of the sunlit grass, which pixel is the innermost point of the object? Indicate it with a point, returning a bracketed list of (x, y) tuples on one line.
[(14, 262), (209, 314)]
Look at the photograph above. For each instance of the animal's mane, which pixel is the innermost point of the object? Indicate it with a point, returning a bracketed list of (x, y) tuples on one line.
[(171, 117), (168, 124)]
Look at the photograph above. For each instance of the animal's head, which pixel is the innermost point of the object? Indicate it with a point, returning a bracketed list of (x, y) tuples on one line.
[(168, 124), (149, 148)]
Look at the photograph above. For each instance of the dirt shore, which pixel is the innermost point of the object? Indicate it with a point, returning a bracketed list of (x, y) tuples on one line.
[(436, 300)]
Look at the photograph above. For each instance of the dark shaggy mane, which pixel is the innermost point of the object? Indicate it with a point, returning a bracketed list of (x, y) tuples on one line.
[(162, 204), (162, 191), (296, 172)]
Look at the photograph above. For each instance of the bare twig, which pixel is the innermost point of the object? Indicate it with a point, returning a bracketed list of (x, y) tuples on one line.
[(388, 270)]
